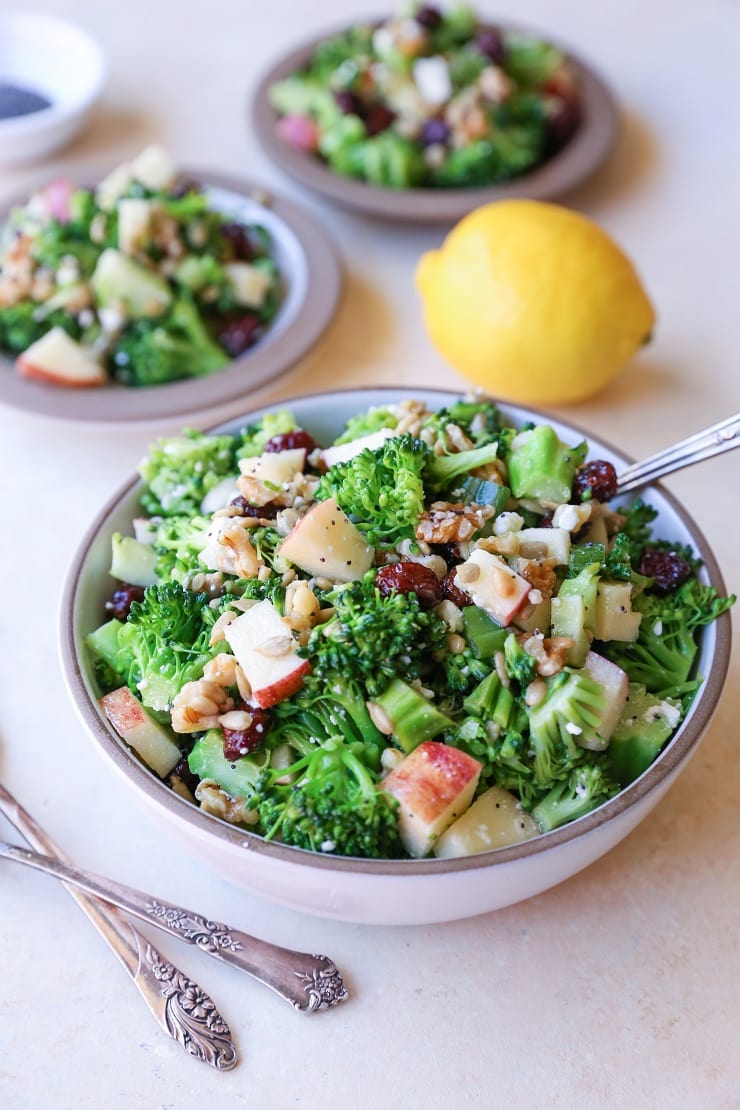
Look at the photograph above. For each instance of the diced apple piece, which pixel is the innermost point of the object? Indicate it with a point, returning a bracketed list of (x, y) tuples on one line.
[(153, 167), (57, 196), (614, 618), (494, 820), (58, 358), (133, 561), (493, 585), (345, 451), (144, 530), (250, 284), (276, 467), (616, 691), (134, 223), (594, 532), (113, 186), (134, 725), (325, 542), (554, 541), (433, 786), (219, 496), (266, 651)]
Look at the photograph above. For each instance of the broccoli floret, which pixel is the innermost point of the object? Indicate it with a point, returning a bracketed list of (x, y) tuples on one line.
[(479, 420), (175, 346), (572, 707), (519, 665), (179, 472), (22, 324), (587, 787), (661, 657), (530, 61), (442, 470), (382, 490), (366, 423), (254, 438), (178, 541), (328, 704), (331, 804), (639, 517), (165, 642), (374, 638)]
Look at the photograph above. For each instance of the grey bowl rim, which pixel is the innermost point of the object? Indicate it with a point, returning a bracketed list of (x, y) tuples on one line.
[(673, 755)]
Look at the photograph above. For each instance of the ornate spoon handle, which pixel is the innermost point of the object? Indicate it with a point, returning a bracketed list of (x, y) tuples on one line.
[(721, 437), (309, 983), (180, 1006)]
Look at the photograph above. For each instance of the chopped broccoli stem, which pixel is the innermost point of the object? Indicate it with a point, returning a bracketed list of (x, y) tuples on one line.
[(414, 717)]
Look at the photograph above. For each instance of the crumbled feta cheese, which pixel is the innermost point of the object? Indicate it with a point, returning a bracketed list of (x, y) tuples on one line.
[(328, 846), (432, 79), (111, 320), (658, 628), (573, 728), (572, 517), (507, 522), (671, 714), (86, 318), (534, 597)]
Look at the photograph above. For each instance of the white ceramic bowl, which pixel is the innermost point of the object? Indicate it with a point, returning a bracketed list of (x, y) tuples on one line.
[(61, 62), (380, 891)]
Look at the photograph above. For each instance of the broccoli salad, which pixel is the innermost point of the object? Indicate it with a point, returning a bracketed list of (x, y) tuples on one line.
[(430, 98), (433, 635), (138, 281)]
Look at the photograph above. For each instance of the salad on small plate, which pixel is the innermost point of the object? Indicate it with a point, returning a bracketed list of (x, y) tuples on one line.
[(433, 635), (140, 281), (168, 291), (425, 115)]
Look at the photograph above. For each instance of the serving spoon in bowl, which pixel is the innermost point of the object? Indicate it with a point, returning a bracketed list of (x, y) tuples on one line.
[(721, 437)]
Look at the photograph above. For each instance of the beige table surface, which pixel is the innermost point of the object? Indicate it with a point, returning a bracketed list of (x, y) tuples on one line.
[(621, 987)]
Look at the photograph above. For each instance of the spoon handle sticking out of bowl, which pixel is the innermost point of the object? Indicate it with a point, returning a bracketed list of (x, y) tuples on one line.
[(309, 983), (180, 1006), (721, 437)]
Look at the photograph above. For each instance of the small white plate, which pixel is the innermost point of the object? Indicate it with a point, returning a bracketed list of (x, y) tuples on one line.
[(58, 60), (312, 279)]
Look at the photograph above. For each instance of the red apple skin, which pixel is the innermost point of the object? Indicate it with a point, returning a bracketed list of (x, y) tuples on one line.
[(271, 695), (123, 710), (29, 370), (431, 778)]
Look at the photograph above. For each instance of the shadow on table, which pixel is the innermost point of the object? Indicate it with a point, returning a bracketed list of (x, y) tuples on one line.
[(363, 328), (113, 130), (634, 161)]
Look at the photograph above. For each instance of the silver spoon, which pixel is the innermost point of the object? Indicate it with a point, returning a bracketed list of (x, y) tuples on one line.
[(308, 983), (180, 1006), (721, 437)]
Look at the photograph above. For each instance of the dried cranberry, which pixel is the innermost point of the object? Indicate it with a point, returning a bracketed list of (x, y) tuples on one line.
[(267, 512), (183, 187), (667, 568), (240, 333), (408, 577), (183, 772), (450, 552), (546, 519), (490, 43), (237, 236), (119, 605), (563, 118), (290, 441), (428, 17), (434, 132), (597, 479), (348, 103), (242, 741), (378, 118), (453, 593)]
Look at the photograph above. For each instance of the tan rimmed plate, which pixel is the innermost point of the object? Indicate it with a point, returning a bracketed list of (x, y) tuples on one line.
[(579, 158), (312, 280)]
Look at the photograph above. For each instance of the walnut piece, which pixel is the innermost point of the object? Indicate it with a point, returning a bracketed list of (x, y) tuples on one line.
[(448, 522)]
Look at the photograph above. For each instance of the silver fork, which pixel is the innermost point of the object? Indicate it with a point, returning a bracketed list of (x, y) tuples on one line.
[(180, 1006), (721, 437)]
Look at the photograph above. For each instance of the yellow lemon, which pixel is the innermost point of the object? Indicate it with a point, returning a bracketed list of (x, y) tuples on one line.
[(534, 302)]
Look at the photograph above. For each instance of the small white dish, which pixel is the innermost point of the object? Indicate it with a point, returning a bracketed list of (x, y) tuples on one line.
[(386, 892), (57, 60)]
